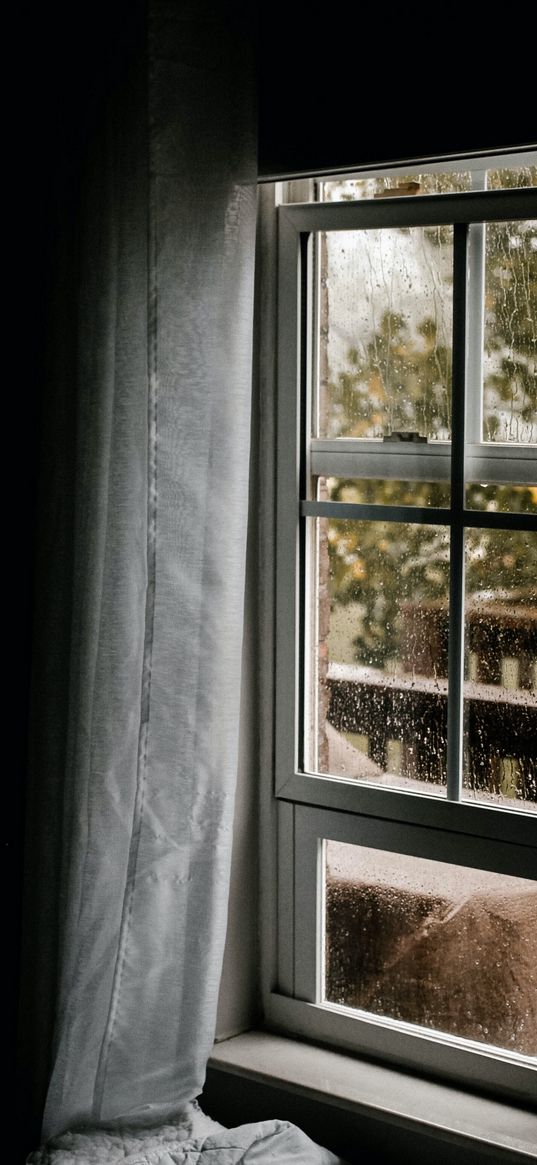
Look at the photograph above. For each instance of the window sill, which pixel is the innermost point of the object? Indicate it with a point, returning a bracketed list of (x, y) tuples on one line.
[(415, 1109)]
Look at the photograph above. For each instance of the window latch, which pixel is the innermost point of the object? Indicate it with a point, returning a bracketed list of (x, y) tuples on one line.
[(406, 435)]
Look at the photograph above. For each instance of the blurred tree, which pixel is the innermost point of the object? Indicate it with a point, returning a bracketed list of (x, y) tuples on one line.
[(400, 380)]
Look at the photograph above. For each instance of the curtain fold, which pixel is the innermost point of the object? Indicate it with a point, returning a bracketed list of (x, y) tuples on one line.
[(137, 676)]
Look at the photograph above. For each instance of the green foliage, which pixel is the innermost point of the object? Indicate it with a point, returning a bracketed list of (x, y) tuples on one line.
[(403, 381)]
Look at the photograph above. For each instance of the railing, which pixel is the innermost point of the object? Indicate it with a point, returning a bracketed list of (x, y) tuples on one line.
[(500, 727)]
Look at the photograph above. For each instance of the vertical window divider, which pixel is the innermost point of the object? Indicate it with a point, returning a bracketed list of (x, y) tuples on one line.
[(475, 323), (304, 371), (456, 580)]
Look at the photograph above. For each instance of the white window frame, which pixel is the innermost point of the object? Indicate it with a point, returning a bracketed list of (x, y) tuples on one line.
[(305, 808)]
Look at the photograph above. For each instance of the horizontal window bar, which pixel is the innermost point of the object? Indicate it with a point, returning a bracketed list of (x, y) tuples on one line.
[(382, 463), (493, 520), (377, 445), (346, 795), (350, 1031), (424, 210), (409, 461), (502, 469), (420, 515)]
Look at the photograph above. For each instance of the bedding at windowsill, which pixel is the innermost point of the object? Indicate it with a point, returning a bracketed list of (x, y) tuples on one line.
[(192, 1139)]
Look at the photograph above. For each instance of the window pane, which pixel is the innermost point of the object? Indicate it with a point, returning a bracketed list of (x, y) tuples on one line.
[(402, 185), (385, 492), (501, 668), (379, 653), (384, 333), (510, 340), (396, 185), (443, 946), (516, 176), (514, 499)]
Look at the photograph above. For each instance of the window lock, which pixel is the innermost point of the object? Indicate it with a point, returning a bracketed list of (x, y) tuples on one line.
[(406, 435)]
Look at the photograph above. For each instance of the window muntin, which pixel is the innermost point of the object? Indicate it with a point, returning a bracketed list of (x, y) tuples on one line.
[(304, 461)]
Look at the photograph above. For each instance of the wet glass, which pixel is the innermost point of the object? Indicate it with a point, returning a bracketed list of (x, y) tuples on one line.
[(399, 185), (502, 499), (384, 333), (506, 178), (384, 492), (500, 689), (379, 653), (395, 185), (510, 333), (441, 946)]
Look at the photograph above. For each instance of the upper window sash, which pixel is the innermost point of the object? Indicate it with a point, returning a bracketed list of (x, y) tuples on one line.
[(473, 206), (300, 458), (351, 457), (497, 463)]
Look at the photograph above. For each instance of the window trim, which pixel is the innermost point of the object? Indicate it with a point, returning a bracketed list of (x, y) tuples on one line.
[(300, 798)]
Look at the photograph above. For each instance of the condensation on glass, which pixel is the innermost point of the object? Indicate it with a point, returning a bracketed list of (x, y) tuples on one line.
[(384, 333), (395, 185), (400, 185), (502, 499), (510, 333), (384, 491), (378, 659), (441, 946), (501, 667)]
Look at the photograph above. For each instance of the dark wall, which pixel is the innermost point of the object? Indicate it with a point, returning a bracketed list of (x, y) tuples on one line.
[(348, 85), (70, 60)]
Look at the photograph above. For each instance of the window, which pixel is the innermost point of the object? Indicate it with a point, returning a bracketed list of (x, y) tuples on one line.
[(406, 580)]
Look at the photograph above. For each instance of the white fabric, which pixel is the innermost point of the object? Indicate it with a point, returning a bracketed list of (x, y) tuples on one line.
[(135, 747), (134, 776), (193, 1139)]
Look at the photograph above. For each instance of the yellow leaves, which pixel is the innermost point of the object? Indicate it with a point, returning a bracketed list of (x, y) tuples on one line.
[(376, 387)]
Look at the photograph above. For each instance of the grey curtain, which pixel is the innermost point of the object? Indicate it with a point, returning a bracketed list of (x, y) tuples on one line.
[(141, 584)]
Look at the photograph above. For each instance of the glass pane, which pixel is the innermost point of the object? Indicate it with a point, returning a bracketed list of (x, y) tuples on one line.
[(515, 176), (384, 492), (510, 341), (443, 946), (379, 653), (384, 333), (514, 499), (501, 668), (395, 185), (399, 185)]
